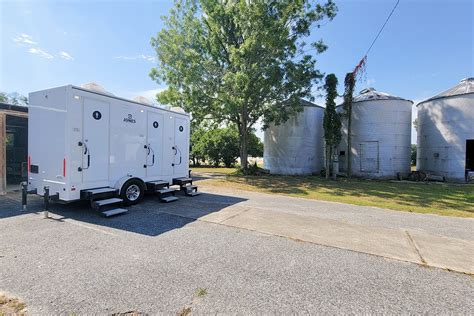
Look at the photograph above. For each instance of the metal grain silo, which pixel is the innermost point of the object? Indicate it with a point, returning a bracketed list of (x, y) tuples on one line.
[(446, 133), (381, 136), (296, 146)]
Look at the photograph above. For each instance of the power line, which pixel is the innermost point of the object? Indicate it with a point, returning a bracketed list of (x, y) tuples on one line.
[(383, 26)]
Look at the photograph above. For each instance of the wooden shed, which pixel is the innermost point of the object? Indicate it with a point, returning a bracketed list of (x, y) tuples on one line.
[(13, 146)]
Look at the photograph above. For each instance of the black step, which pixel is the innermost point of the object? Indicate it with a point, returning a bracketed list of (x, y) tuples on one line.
[(97, 204), (163, 192), (156, 185), (168, 199), (193, 193), (113, 212), (190, 190), (98, 193), (182, 181)]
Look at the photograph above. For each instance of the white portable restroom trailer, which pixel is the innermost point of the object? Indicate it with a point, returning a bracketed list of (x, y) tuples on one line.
[(381, 136), (85, 144), (446, 133)]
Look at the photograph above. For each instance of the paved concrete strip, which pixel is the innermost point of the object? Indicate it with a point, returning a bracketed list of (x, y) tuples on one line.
[(225, 214), (447, 253), (417, 247), (461, 228), (378, 241)]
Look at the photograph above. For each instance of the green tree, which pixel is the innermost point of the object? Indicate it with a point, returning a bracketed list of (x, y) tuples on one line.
[(331, 121), (3, 97), (239, 61), (349, 83), (221, 145), (413, 155), (255, 146), (13, 98), (197, 151)]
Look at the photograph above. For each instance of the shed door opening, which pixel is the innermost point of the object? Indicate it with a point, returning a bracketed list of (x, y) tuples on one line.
[(470, 155), (16, 144), (369, 156)]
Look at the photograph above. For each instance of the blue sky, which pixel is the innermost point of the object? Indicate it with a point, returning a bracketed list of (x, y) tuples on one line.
[(427, 46)]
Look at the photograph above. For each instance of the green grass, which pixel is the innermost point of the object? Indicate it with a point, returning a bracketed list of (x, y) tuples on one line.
[(434, 198), (217, 170), (200, 292)]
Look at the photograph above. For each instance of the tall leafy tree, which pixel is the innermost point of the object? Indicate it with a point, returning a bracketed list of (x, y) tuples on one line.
[(349, 84), (239, 61), (331, 121)]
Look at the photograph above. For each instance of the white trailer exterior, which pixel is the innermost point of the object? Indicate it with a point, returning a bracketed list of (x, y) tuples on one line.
[(80, 139)]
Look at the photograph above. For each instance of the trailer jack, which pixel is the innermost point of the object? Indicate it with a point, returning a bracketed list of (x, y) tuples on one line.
[(46, 198)]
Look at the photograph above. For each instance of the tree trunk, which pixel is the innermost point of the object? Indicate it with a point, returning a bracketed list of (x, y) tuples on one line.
[(349, 142), (243, 139), (243, 149), (328, 159)]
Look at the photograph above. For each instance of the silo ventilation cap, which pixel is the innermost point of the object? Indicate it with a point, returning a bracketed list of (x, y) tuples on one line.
[(468, 79), (366, 90)]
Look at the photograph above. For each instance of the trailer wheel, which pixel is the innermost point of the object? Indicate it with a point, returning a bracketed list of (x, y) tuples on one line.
[(132, 191)]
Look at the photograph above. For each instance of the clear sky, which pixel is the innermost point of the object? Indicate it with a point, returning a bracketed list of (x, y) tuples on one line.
[(427, 46)]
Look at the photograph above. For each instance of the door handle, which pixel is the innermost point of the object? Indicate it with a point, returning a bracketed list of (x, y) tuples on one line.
[(149, 150), (86, 151)]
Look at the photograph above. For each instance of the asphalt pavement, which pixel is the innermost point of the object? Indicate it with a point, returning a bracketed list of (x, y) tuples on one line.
[(155, 259)]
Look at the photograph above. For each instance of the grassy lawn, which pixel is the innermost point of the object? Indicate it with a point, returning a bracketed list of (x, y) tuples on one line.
[(218, 170), (434, 198)]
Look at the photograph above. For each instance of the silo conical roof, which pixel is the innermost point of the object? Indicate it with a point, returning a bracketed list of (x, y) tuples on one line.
[(370, 94), (465, 86)]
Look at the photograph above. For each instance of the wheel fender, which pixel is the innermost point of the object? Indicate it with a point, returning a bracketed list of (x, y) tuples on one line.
[(119, 184)]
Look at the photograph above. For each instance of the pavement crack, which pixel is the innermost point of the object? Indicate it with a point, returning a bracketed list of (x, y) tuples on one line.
[(417, 250)]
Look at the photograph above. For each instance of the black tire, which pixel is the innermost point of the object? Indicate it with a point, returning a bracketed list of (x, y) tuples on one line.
[(132, 192)]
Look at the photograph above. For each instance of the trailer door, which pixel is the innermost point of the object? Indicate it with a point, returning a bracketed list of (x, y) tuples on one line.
[(154, 159), (181, 150), (95, 158)]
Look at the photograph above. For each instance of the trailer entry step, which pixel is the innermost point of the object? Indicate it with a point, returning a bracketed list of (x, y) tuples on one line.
[(193, 193), (182, 181), (168, 199), (100, 203), (156, 185), (165, 191), (115, 211), (190, 190), (99, 193)]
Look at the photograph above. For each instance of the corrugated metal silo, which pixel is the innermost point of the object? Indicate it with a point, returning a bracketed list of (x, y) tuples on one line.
[(446, 133), (296, 146), (381, 136)]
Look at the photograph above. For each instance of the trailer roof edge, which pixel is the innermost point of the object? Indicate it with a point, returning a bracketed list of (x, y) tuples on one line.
[(127, 100)]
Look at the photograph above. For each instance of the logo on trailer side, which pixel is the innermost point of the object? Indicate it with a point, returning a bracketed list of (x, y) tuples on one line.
[(129, 119)]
